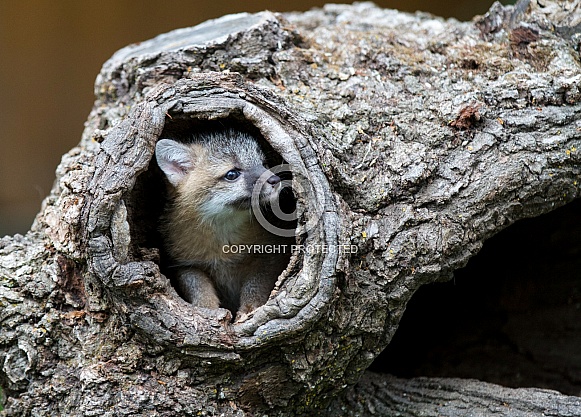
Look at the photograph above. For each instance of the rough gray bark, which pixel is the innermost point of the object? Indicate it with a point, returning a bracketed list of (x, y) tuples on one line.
[(414, 139), (384, 395)]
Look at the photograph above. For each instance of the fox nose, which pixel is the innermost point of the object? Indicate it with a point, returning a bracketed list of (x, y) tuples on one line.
[(273, 180)]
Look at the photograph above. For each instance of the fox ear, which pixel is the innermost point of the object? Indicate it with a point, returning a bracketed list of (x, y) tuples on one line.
[(174, 159)]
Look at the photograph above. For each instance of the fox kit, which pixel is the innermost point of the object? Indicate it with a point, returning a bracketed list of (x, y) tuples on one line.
[(209, 226)]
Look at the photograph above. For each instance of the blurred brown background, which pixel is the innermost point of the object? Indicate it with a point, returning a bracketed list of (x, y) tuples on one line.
[(51, 52)]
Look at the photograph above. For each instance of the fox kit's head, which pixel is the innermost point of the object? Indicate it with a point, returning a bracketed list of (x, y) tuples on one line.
[(216, 173)]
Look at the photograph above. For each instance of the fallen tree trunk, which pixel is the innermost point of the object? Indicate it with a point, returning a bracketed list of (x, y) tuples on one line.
[(411, 139), (384, 395)]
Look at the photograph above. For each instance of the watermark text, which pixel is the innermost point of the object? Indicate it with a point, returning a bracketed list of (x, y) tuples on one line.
[(274, 249)]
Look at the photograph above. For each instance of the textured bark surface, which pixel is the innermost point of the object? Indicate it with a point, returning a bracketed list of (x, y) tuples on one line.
[(412, 139), (384, 395)]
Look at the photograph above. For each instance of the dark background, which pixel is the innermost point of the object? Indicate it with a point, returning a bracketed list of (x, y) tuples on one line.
[(51, 52)]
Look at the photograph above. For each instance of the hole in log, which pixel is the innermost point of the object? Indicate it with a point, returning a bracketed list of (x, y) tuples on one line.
[(127, 194), (145, 203), (219, 236), (511, 316)]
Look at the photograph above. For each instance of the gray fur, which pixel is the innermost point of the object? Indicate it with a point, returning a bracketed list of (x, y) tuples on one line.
[(208, 213)]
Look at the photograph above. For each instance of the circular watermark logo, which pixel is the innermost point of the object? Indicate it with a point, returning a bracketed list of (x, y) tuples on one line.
[(272, 215)]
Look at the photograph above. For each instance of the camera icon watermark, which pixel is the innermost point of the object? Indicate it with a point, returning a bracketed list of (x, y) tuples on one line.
[(303, 188)]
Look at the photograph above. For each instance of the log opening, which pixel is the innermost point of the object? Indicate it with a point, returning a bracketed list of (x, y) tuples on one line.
[(510, 317), (149, 199), (128, 197)]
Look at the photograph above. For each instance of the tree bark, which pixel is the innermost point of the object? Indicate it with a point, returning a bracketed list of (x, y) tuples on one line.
[(384, 395), (412, 139)]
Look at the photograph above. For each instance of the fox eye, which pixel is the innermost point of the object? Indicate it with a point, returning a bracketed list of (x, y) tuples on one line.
[(232, 175)]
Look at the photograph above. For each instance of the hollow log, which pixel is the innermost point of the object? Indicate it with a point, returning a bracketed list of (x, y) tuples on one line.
[(412, 139)]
